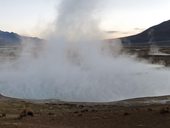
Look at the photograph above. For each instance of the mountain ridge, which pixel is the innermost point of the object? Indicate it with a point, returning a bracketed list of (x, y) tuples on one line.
[(156, 35), (11, 38)]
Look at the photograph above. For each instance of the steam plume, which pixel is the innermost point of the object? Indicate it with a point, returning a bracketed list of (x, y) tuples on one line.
[(77, 65)]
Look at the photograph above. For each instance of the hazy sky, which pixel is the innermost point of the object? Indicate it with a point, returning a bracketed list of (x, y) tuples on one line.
[(123, 17)]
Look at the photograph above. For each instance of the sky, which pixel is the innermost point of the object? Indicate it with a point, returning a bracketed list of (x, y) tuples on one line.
[(117, 17)]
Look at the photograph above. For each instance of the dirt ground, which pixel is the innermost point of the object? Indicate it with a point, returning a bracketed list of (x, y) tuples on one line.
[(128, 114)]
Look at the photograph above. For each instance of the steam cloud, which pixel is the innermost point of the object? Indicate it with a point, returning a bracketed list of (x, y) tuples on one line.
[(76, 65)]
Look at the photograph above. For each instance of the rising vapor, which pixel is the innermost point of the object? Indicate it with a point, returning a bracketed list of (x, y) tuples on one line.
[(76, 65)]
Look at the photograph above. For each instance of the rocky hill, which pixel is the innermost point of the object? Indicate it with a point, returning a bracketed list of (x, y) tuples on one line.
[(157, 35), (10, 38)]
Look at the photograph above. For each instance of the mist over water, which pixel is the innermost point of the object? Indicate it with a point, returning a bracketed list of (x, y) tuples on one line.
[(76, 65)]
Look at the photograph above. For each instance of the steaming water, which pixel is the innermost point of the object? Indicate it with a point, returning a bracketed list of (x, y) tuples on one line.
[(76, 65)]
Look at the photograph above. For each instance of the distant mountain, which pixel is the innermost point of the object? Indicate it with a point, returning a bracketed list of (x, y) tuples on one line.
[(157, 35), (10, 38)]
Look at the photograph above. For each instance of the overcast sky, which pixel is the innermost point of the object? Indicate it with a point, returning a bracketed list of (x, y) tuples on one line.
[(123, 17)]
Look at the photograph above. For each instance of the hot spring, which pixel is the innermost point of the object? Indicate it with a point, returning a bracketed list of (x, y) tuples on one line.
[(75, 64)]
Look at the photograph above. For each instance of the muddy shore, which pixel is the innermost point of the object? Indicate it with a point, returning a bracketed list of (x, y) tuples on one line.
[(153, 112)]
